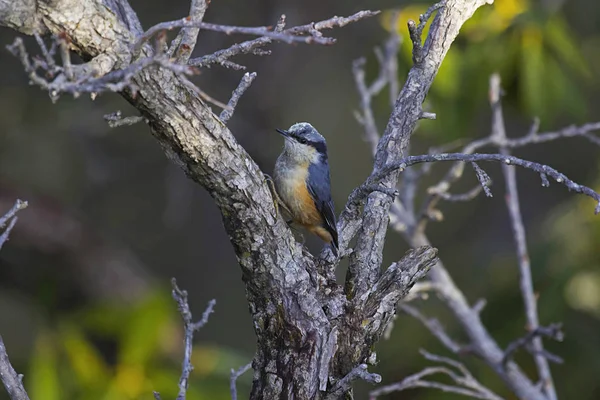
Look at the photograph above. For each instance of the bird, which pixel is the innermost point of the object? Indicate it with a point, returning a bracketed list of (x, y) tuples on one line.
[(302, 181)]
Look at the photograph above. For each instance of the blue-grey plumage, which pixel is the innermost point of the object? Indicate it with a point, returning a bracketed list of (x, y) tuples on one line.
[(302, 181)]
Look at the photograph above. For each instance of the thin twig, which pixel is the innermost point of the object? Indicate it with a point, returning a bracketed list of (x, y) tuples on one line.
[(415, 31), (116, 119), (434, 326), (518, 228), (190, 327), (533, 137), (235, 374), (244, 84), (254, 46), (9, 377), (288, 36), (187, 37), (11, 380), (10, 219), (345, 383), (467, 196), (115, 81), (509, 160), (466, 384), (552, 331)]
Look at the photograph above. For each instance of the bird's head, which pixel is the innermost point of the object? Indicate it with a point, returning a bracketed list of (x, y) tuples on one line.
[(304, 142)]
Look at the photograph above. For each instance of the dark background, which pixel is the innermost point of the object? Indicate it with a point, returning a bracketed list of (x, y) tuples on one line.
[(85, 307)]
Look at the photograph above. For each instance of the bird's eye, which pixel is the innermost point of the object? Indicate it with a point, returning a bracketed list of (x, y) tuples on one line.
[(302, 140)]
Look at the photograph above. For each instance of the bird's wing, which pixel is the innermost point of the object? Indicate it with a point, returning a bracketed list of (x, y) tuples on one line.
[(319, 187)]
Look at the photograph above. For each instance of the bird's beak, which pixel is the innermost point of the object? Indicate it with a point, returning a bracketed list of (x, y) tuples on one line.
[(284, 133)]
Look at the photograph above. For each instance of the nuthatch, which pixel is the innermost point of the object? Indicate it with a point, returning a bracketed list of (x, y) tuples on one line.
[(302, 181)]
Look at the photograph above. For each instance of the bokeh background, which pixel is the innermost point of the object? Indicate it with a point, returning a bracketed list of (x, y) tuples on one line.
[(85, 306)]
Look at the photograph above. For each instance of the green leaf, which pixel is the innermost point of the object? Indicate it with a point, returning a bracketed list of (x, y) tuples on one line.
[(559, 39), (532, 83), (142, 334), (42, 380), (86, 362)]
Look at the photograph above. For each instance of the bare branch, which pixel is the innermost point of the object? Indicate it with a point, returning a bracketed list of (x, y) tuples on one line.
[(388, 75), (190, 327), (434, 326), (85, 79), (468, 196), (187, 37), (366, 117), (10, 219), (508, 160), (552, 331), (221, 57), (9, 377), (516, 220), (235, 374), (415, 31), (235, 96), (12, 382), (533, 137), (289, 36), (466, 384), (370, 227), (345, 383)]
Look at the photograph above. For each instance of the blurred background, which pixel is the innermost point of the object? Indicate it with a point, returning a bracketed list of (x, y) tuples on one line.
[(85, 305)]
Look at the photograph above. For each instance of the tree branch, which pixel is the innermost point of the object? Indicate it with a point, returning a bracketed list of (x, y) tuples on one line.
[(234, 376), (371, 227), (244, 84), (516, 221), (466, 384), (291, 35), (13, 383), (10, 218), (185, 41), (543, 170), (180, 296)]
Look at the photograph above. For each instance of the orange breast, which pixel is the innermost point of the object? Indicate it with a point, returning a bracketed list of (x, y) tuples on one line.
[(305, 211)]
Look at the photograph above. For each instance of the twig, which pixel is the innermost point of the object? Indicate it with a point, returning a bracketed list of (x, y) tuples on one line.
[(116, 119), (468, 196), (190, 327), (19, 205), (289, 36), (235, 374), (11, 380), (10, 219), (434, 326), (187, 37), (345, 383), (221, 57), (466, 383), (508, 160), (365, 117), (483, 178), (533, 137), (552, 331), (388, 75), (253, 46), (235, 96), (115, 81), (415, 31), (516, 220)]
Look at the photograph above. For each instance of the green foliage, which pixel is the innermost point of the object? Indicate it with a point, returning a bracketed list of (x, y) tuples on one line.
[(534, 51), (145, 340)]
